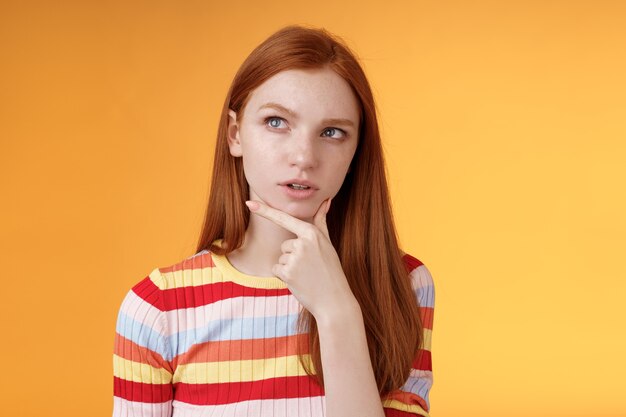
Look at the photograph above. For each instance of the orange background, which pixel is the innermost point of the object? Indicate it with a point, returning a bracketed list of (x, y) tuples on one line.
[(504, 126)]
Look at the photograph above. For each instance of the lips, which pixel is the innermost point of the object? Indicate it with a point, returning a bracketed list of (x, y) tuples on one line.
[(301, 182)]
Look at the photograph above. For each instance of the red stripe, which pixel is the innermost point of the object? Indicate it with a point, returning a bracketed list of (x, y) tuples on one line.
[(200, 295), (149, 292), (409, 398), (423, 361), (230, 392), (142, 392), (411, 262), (196, 296)]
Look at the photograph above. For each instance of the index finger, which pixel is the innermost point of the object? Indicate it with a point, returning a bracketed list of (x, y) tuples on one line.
[(281, 218)]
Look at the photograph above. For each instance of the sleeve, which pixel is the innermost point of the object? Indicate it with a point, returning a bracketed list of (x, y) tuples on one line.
[(412, 399), (142, 368)]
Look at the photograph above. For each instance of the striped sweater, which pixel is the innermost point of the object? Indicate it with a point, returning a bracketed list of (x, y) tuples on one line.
[(200, 338)]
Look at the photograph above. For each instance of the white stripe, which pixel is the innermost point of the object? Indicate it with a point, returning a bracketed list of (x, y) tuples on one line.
[(125, 408), (423, 285), (420, 373)]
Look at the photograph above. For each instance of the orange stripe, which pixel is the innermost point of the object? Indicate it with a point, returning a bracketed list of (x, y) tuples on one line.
[(407, 398), (426, 314), (127, 349), (236, 350), (198, 262)]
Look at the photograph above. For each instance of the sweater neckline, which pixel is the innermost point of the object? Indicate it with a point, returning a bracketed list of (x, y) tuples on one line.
[(238, 277)]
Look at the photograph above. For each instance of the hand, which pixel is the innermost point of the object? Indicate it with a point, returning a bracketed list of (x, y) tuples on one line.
[(309, 264)]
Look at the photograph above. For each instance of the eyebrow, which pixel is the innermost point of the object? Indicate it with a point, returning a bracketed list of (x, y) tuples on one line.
[(334, 121)]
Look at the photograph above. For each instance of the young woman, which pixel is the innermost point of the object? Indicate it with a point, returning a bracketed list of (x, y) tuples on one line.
[(299, 301)]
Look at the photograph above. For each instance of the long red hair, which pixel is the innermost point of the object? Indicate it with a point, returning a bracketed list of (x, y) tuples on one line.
[(360, 220)]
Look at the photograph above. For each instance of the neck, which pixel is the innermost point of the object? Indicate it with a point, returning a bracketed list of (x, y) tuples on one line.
[(261, 247)]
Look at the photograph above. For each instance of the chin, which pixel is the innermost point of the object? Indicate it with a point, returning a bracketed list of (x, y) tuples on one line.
[(299, 210), (302, 209), (300, 213)]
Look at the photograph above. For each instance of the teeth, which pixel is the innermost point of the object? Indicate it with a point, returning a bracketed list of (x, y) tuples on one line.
[(298, 186)]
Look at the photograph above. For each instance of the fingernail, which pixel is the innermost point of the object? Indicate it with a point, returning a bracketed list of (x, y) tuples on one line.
[(329, 200), (252, 205)]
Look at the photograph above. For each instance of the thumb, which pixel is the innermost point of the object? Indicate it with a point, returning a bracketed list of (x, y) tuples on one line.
[(320, 217)]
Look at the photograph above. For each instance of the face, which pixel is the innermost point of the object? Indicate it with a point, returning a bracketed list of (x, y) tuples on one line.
[(297, 125)]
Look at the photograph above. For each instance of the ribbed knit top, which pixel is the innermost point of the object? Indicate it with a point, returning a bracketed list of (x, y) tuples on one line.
[(201, 338)]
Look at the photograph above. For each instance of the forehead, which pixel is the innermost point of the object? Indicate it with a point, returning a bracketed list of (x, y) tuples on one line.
[(309, 92)]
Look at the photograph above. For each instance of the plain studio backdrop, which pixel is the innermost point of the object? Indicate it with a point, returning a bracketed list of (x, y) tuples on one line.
[(504, 127)]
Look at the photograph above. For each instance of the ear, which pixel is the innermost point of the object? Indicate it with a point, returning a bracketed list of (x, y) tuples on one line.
[(234, 143)]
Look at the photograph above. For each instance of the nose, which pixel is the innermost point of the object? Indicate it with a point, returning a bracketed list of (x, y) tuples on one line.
[(302, 152)]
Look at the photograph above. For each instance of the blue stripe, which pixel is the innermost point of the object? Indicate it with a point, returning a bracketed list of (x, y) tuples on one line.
[(418, 386), (235, 329), (143, 335), (426, 296)]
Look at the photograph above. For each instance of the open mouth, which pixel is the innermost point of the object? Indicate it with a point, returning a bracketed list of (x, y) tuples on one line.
[(298, 193), (298, 187)]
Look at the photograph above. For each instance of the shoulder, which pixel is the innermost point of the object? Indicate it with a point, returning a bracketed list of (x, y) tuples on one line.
[(152, 287)]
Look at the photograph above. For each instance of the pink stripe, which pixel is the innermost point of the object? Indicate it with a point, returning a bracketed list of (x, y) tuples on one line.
[(286, 407), (141, 311), (231, 308)]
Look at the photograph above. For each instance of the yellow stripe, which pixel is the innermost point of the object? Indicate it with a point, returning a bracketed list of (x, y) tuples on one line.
[(210, 275), (240, 371), (223, 271), (185, 277), (428, 336), (409, 408), (139, 372)]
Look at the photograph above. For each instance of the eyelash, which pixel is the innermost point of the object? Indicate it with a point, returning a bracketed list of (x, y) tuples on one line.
[(267, 119)]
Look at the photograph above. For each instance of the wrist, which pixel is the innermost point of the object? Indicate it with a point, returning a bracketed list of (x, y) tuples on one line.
[(344, 313)]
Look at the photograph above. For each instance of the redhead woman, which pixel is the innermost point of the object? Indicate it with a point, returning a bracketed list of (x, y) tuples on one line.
[(298, 300)]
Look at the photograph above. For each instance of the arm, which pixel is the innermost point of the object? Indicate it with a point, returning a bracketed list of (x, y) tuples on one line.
[(349, 384), (413, 398), (142, 371), (311, 268), (349, 381)]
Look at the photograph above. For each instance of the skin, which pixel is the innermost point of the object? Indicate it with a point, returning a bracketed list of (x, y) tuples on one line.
[(312, 270), (289, 238), (287, 147)]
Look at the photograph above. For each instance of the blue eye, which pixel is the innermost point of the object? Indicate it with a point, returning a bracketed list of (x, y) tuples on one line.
[(343, 132), (272, 118), (275, 121)]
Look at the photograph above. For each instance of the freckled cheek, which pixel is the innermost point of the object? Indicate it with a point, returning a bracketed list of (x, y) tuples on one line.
[(335, 175), (256, 153), (259, 164)]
